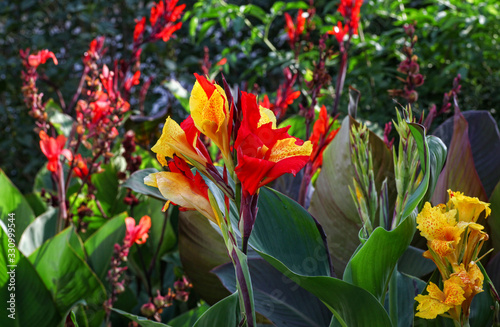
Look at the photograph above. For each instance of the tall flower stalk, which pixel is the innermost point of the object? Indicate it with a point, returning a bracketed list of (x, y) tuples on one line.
[(254, 153)]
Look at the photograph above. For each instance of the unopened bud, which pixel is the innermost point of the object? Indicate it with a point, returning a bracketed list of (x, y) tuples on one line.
[(148, 309)]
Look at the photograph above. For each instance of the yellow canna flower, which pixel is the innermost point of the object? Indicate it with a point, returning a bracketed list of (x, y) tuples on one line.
[(468, 208), (210, 111), (181, 187), (440, 228), (181, 140), (472, 279), (438, 302)]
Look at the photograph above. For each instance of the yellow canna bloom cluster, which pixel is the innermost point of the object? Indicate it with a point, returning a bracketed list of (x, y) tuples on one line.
[(454, 239)]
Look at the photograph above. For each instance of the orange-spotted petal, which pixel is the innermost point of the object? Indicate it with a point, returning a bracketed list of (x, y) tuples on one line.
[(469, 208)]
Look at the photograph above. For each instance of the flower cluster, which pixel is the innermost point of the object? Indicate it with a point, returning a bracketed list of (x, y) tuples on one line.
[(454, 239), (349, 9), (285, 95), (294, 30), (245, 134), (163, 17)]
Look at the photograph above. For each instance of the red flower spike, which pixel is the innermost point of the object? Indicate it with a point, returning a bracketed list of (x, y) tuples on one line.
[(339, 32), (41, 57), (320, 129), (265, 152), (137, 234), (156, 12), (52, 148), (294, 31), (134, 80), (139, 28)]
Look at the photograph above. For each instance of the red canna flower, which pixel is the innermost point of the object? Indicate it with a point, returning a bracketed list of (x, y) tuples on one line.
[(41, 57), (137, 234), (167, 31), (139, 28), (295, 30), (80, 167), (94, 49), (52, 148), (156, 12), (350, 9), (339, 32), (319, 139), (285, 95), (265, 152), (134, 80)]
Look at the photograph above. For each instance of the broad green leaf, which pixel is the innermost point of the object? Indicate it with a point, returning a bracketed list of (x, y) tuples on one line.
[(99, 247), (36, 203), (136, 184), (408, 287), (332, 202), (32, 299), (187, 319), (351, 305), (437, 152), (39, 231), (13, 202), (277, 297), (413, 263), (107, 187), (459, 173), (66, 275), (142, 321), (224, 313), (286, 231), (296, 123), (201, 249), (482, 310)]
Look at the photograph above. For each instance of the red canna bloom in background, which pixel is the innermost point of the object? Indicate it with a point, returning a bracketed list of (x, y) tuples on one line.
[(350, 10), (339, 32), (139, 28), (137, 234), (134, 80), (52, 148), (265, 152), (41, 57), (295, 30), (320, 139), (80, 167)]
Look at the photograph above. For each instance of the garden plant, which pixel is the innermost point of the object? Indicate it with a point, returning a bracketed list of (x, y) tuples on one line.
[(213, 163)]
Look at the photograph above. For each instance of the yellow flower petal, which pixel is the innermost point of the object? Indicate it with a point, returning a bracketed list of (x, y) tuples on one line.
[(266, 116), (287, 148), (468, 208), (173, 140)]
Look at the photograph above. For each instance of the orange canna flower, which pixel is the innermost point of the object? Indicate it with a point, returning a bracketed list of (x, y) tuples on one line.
[(265, 152), (183, 188), (137, 234), (52, 148), (182, 141), (210, 112)]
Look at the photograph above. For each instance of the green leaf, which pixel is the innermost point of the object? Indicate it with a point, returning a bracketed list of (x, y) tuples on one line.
[(223, 313), (286, 231), (351, 305), (39, 231), (142, 321), (296, 123), (61, 122), (99, 247), (408, 286), (66, 275), (13, 202), (277, 297), (201, 249), (136, 184), (437, 152), (413, 263), (107, 187), (332, 203), (482, 309), (32, 299), (187, 319)]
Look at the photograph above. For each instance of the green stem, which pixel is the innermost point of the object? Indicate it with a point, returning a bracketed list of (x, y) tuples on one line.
[(393, 297)]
